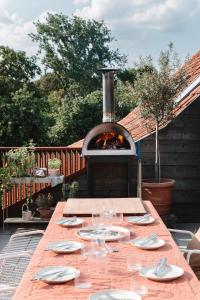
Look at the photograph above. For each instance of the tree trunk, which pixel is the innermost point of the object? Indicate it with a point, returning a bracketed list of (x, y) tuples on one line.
[(157, 156)]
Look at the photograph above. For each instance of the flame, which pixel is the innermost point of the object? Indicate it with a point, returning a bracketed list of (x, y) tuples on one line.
[(109, 140)]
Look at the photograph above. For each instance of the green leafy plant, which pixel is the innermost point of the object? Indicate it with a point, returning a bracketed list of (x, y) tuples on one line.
[(54, 163), (155, 89), (20, 161), (70, 190), (44, 201), (5, 182)]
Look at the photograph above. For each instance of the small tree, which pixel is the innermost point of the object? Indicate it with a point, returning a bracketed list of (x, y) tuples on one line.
[(155, 89)]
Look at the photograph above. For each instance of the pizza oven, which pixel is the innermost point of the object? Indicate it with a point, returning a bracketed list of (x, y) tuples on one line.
[(109, 149)]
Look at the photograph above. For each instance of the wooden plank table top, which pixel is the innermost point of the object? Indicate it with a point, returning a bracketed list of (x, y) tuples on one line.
[(113, 273), (88, 206)]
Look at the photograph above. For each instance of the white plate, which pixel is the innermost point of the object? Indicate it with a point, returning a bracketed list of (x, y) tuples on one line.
[(136, 221), (69, 222), (173, 273), (64, 246), (115, 295), (155, 244), (56, 274), (110, 233)]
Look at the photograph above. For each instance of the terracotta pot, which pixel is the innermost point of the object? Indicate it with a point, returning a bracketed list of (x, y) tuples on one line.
[(53, 172), (45, 213), (159, 193)]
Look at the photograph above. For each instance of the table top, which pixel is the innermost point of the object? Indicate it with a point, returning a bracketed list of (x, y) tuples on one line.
[(88, 206), (114, 273)]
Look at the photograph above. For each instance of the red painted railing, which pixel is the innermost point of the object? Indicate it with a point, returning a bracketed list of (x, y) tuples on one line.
[(71, 163)]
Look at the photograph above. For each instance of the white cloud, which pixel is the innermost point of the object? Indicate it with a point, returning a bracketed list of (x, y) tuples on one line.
[(134, 15), (80, 2), (14, 32)]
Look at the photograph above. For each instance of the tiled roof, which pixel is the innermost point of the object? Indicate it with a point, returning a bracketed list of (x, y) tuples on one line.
[(134, 123)]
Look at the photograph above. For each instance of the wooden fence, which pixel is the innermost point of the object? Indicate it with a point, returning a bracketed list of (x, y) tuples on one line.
[(71, 163)]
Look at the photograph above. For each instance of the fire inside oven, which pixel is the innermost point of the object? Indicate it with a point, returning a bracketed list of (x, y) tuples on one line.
[(109, 141)]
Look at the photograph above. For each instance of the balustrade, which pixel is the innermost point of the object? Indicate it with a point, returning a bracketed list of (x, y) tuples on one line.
[(71, 163)]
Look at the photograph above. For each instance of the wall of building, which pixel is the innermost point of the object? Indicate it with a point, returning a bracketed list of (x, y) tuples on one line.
[(180, 160)]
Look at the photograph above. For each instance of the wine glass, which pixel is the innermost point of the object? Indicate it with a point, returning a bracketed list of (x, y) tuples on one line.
[(97, 220)]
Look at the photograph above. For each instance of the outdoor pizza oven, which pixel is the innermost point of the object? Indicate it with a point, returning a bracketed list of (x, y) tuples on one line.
[(110, 150)]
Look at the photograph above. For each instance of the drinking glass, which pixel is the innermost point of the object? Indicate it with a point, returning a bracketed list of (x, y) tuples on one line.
[(83, 280), (108, 217), (95, 249), (138, 288), (118, 218), (97, 219), (134, 262), (125, 239)]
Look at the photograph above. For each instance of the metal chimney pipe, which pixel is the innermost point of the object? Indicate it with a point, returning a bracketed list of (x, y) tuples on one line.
[(108, 96)]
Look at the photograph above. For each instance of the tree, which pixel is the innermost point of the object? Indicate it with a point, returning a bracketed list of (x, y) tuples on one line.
[(74, 119), (124, 99), (74, 49), (155, 89), (24, 118), (48, 83), (127, 75), (76, 115), (16, 69)]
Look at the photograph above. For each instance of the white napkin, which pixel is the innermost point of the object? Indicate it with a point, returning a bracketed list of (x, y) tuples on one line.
[(147, 240), (161, 267), (140, 218), (67, 221)]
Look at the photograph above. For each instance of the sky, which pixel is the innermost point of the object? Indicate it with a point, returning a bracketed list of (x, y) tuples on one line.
[(141, 27)]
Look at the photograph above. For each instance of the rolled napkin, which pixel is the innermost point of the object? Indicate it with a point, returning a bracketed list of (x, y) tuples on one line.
[(147, 240), (161, 267), (140, 218), (51, 275), (67, 221)]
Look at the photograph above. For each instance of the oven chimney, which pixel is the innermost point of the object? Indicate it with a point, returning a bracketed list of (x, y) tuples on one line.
[(108, 97)]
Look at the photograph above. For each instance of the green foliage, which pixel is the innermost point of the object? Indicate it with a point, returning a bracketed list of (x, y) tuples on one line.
[(155, 90), (48, 83), (156, 87), (70, 190), (54, 163), (20, 161), (75, 118), (5, 181), (124, 99), (127, 75), (74, 49), (24, 117), (16, 69), (77, 115)]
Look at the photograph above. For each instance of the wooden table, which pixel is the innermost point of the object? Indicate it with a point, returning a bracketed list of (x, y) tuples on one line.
[(115, 274), (88, 206)]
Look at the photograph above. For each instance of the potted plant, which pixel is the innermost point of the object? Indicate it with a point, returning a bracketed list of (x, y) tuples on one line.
[(70, 190), (20, 161), (54, 166), (155, 89), (45, 205)]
